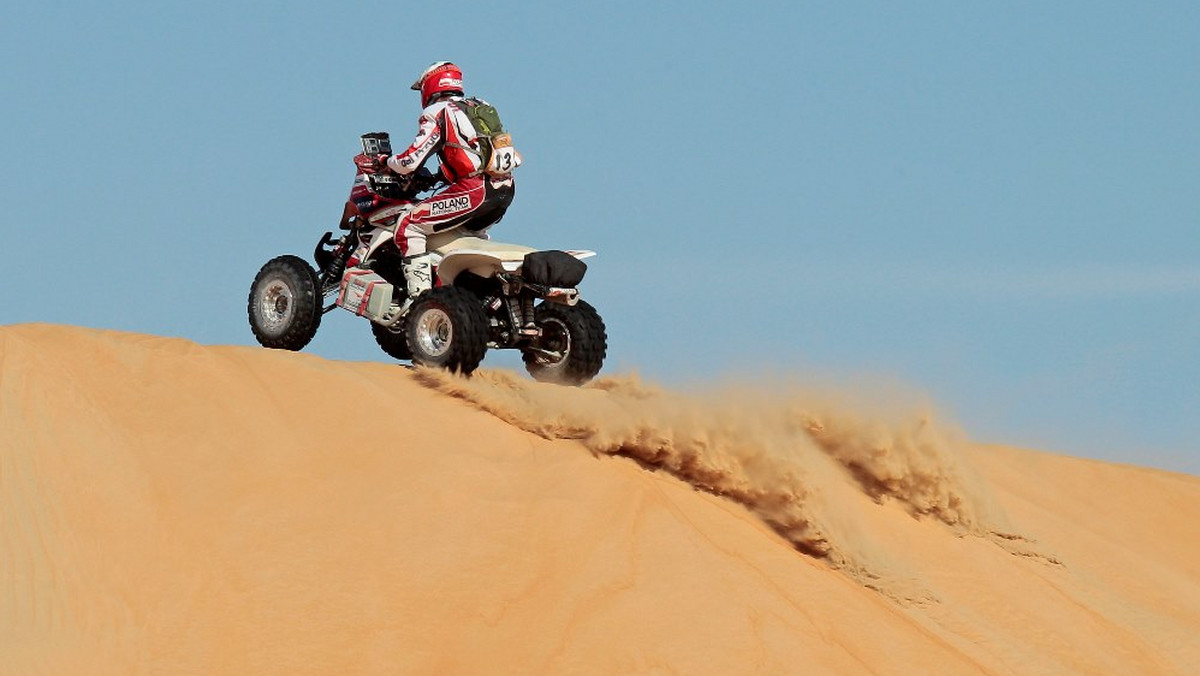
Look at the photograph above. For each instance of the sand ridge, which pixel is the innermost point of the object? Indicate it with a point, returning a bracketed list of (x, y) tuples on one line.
[(172, 507)]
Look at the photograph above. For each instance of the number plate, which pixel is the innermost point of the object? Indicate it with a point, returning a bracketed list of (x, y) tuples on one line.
[(504, 156)]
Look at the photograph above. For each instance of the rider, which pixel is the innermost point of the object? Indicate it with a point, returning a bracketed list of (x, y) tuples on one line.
[(473, 200)]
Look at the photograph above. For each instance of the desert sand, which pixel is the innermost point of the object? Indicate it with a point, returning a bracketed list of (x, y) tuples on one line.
[(173, 508)]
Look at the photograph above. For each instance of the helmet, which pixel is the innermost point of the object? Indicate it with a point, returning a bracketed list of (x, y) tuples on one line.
[(441, 77)]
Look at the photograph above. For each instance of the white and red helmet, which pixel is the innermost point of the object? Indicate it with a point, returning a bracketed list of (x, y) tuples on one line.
[(441, 77)]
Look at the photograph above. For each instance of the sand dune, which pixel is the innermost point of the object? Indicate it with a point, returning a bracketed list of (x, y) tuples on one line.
[(167, 507)]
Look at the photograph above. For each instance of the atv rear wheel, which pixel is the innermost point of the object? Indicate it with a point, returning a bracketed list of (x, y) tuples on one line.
[(392, 340), (447, 328), (572, 347), (285, 304)]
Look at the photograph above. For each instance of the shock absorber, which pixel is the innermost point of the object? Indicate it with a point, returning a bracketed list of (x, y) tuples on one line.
[(514, 313), (527, 313), (332, 274), (520, 312)]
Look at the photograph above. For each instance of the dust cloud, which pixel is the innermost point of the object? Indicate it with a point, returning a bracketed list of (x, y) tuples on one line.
[(780, 454)]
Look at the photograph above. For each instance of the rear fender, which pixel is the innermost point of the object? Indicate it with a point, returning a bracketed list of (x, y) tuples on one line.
[(480, 263), (581, 253), (486, 258)]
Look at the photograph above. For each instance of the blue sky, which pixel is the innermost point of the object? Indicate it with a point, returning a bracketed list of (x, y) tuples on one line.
[(994, 204)]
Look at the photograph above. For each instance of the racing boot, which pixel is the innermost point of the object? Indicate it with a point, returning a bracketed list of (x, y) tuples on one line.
[(418, 277)]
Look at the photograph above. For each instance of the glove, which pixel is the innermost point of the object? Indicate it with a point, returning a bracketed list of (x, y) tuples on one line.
[(367, 163)]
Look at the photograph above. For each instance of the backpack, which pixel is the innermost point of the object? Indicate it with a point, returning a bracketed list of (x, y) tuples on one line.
[(497, 157)]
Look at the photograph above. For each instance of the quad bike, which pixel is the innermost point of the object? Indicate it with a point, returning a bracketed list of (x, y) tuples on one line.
[(487, 295)]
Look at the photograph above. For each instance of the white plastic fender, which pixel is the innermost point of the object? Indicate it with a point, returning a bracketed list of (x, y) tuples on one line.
[(484, 257)]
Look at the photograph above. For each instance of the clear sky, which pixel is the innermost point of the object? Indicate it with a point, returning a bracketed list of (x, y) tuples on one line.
[(995, 204)]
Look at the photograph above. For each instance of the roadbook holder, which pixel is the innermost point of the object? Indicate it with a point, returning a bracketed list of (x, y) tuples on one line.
[(381, 182)]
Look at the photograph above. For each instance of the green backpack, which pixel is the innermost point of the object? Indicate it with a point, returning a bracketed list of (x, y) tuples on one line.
[(496, 154)]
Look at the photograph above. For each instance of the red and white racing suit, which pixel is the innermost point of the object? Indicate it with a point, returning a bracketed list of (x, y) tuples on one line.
[(473, 200)]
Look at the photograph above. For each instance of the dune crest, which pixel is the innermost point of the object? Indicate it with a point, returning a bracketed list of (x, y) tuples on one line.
[(168, 507)]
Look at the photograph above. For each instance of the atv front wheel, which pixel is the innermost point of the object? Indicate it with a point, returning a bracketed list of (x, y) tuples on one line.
[(285, 304), (572, 346), (447, 328)]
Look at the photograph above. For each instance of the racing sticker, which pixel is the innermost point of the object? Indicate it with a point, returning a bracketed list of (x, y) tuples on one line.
[(449, 205)]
